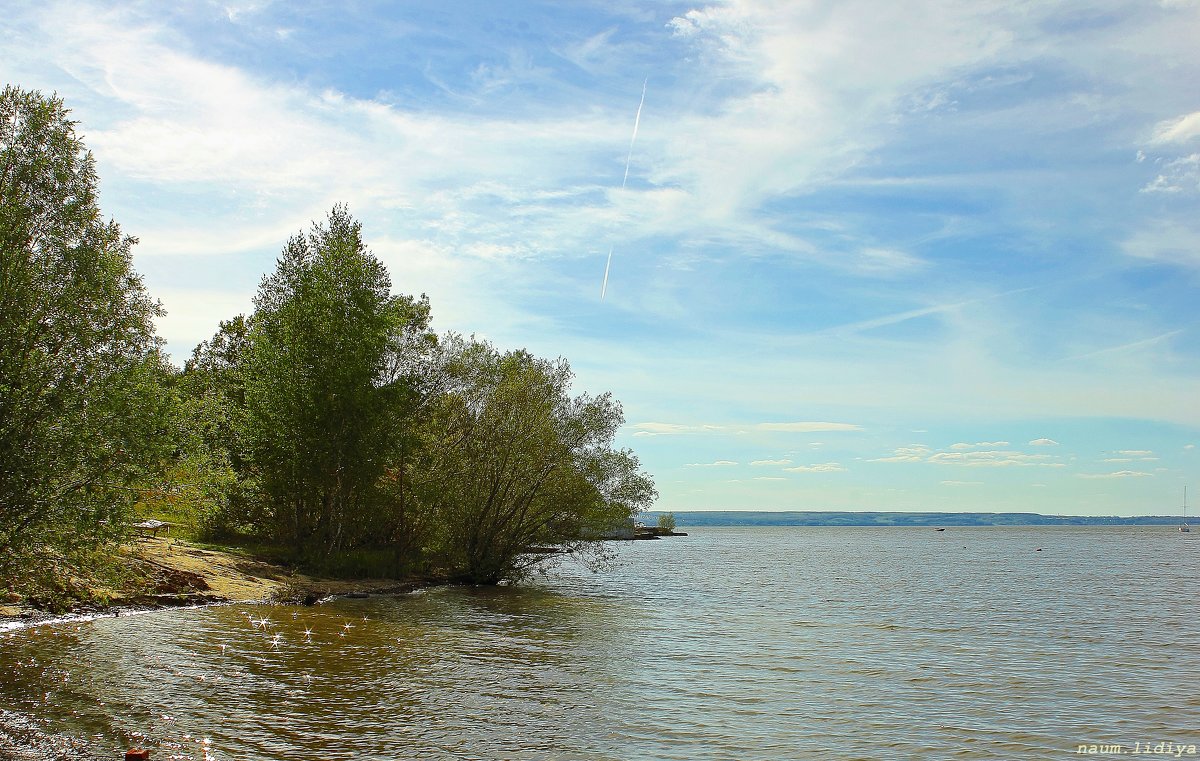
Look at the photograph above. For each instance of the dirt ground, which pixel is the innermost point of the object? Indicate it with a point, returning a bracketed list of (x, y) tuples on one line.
[(174, 572), (220, 574), (234, 578)]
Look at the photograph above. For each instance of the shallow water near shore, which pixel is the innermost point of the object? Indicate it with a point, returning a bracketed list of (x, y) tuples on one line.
[(732, 643)]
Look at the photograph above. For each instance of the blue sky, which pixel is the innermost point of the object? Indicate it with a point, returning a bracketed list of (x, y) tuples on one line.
[(867, 256)]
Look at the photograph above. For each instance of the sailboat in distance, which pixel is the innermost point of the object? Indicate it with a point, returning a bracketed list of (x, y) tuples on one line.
[(1184, 527)]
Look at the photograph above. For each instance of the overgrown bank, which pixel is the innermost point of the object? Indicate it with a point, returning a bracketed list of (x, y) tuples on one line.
[(161, 572), (331, 425)]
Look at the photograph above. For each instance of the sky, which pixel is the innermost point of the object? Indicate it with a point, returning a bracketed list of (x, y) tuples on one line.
[(864, 255)]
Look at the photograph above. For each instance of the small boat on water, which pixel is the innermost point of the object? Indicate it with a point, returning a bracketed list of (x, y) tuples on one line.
[(1184, 527)]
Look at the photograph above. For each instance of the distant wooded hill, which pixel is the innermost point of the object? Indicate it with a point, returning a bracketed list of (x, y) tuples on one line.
[(819, 518)]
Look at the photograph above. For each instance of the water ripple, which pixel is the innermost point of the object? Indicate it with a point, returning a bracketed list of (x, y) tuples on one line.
[(730, 644)]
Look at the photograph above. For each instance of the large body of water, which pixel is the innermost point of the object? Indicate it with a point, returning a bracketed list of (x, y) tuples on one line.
[(733, 643)]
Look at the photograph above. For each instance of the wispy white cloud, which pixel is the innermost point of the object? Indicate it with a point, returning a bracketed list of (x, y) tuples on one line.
[(1043, 443), (770, 462), (186, 120), (1117, 474), (1132, 455), (969, 456), (824, 467), (801, 75), (675, 429), (914, 453), (1181, 129), (1180, 175), (980, 445), (996, 459), (239, 11), (191, 120), (717, 464), (886, 261)]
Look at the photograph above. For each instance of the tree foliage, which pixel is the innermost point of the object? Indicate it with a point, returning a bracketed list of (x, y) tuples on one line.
[(350, 427), (81, 375), (331, 420), (522, 464), (210, 480), (328, 373)]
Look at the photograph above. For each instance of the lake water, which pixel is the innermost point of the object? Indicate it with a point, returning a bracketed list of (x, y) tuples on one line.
[(733, 643)]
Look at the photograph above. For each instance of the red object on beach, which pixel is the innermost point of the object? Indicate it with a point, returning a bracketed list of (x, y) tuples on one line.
[(137, 754)]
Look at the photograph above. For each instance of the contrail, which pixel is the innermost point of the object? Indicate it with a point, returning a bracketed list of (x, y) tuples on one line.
[(604, 287), (637, 119)]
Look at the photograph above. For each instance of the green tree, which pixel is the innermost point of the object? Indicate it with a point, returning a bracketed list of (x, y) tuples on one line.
[(216, 364), (523, 465), (81, 373), (210, 478), (198, 484), (330, 371), (666, 522)]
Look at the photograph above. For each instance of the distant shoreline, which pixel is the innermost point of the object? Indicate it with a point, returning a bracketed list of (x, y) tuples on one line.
[(928, 519)]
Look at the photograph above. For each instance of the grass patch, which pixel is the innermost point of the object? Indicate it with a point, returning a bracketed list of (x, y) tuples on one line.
[(58, 583)]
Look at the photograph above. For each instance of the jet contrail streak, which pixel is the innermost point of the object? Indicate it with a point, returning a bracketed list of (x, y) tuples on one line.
[(604, 288), (637, 119)]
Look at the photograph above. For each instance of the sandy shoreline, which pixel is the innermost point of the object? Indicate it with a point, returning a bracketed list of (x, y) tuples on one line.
[(185, 575)]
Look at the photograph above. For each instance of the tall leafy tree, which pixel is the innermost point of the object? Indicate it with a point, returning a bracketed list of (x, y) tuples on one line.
[(205, 481), (80, 366), (329, 371), (523, 464), (212, 394)]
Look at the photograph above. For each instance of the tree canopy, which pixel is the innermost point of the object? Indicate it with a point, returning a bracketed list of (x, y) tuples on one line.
[(358, 428), (326, 379), (330, 421), (81, 375), (522, 463)]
